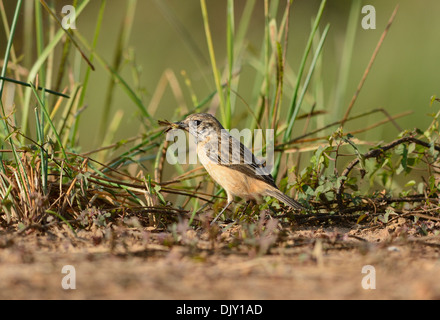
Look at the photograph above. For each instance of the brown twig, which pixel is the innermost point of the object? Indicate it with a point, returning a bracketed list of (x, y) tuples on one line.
[(377, 124), (112, 146), (370, 64), (339, 122), (75, 43), (374, 154)]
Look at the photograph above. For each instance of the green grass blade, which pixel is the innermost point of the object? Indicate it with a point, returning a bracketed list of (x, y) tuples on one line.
[(87, 75), (215, 70), (301, 96), (294, 105), (62, 219), (24, 84), (128, 90), (72, 39), (46, 113), (64, 58), (14, 58), (28, 28), (346, 57), (121, 45), (43, 157), (6, 131), (309, 75), (39, 38), (21, 179), (9, 47), (68, 111), (230, 29), (39, 63)]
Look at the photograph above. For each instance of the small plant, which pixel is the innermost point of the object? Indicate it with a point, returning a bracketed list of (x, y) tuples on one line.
[(260, 236)]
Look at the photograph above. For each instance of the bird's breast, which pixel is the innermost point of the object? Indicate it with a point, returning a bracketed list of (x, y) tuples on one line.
[(234, 182)]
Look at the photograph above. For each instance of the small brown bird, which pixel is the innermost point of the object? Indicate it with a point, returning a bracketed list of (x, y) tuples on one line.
[(230, 163)]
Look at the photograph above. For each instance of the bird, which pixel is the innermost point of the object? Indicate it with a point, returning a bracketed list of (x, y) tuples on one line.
[(231, 164)]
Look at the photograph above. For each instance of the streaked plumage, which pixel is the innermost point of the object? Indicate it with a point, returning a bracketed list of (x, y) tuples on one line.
[(231, 164)]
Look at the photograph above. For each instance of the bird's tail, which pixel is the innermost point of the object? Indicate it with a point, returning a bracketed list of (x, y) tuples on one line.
[(284, 198)]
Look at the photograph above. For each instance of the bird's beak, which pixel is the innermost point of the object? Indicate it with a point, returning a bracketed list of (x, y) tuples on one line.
[(180, 125)]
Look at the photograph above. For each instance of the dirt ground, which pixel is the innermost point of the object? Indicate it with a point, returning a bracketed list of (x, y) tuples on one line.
[(307, 261)]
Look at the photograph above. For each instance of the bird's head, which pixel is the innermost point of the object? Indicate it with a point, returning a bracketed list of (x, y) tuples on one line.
[(200, 125)]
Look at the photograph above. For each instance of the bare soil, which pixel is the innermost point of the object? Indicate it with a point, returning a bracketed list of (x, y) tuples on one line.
[(309, 260)]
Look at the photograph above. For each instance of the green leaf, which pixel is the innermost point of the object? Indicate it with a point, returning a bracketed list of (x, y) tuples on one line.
[(402, 150), (385, 218), (411, 147), (157, 189), (361, 217), (410, 183)]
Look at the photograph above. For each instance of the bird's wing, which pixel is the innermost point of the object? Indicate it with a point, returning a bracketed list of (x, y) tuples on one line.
[(230, 152)]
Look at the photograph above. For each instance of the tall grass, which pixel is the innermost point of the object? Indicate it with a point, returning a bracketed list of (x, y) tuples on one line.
[(46, 173), (57, 145), (51, 169), (224, 109), (121, 44)]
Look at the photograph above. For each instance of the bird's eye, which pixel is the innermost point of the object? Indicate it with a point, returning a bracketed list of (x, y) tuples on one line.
[(197, 122)]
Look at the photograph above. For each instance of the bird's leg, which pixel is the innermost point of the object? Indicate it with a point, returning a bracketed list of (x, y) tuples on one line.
[(218, 216)]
